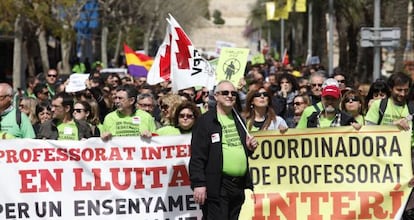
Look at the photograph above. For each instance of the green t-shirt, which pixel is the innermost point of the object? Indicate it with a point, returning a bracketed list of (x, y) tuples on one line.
[(168, 130), (122, 125), (392, 112), (68, 131), (9, 124), (234, 157)]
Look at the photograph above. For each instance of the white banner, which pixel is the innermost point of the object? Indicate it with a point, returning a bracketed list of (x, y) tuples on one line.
[(126, 178)]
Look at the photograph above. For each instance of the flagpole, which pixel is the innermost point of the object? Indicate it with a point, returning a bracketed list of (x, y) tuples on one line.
[(241, 122)]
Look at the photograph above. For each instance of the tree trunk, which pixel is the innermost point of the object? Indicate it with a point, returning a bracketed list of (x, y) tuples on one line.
[(396, 15), (118, 46), (17, 53), (104, 43), (43, 49), (341, 27), (319, 44), (65, 68)]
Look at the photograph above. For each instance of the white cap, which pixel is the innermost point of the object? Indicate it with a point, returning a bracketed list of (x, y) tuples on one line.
[(330, 82)]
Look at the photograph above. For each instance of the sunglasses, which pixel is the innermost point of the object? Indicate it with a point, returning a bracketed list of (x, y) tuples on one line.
[(298, 103), (260, 94), (316, 84), (50, 75), (341, 81), (204, 93), (226, 93), (352, 99), (78, 110), (164, 107), (189, 116)]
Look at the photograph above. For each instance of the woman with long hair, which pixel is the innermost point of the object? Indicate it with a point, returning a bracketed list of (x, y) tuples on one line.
[(259, 113)]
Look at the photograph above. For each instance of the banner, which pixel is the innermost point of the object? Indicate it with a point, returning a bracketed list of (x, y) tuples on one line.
[(126, 178), (330, 173), (333, 173)]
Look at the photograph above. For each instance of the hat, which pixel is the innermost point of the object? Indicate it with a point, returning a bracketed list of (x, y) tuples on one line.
[(332, 91), (330, 82)]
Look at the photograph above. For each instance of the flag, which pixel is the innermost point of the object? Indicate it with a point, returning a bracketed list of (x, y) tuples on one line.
[(161, 68), (138, 63), (188, 67), (300, 6), (270, 11), (283, 7), (285, 60)]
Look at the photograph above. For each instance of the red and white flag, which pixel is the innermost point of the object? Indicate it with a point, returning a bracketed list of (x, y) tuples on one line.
[(187, 67), (161, 68)]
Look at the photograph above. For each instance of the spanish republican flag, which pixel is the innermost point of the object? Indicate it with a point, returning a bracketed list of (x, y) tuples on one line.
[(138, 63)]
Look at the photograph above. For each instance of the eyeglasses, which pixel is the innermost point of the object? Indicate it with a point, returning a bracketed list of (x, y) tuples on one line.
[(204, 93), (316, 84), (3, 96), (298, 103), (260, 94), (352, 99), (50, 75), (79, 110), (143, 105), (226, 93), (341, 81), (188, 116)]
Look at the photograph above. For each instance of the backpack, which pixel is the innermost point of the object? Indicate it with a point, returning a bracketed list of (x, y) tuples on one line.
[(18, 118), (383, 106)]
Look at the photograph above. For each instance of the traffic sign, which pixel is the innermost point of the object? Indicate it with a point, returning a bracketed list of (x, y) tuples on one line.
[(384, 37)]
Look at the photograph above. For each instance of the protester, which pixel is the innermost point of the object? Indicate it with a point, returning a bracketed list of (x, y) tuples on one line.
[(28, 106), (51, 78), (259, 113), (316, 82), (330, 115), (168, 103), (147, 102), (43, 114), (219, 168), (83, 111), (126, 120), (283, 101), (300, 102), (378, 90), (395, 109), (185, 115), (41, 92), (63, 126), (353, 103), (13, 123)]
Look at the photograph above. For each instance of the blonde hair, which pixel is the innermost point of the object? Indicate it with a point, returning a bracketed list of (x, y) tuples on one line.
[(172, 101)]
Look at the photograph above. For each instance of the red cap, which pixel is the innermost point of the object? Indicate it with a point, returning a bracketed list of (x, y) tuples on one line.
[(332, 91)]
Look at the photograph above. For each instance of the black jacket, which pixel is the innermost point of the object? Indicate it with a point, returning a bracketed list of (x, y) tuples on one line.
[(206, 162), (346, 119)]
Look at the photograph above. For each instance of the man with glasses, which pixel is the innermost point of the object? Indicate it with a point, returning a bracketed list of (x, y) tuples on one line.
[(13, 124), (219, 169), (127, 120), (147, 102), (51, 78), (63, 126)]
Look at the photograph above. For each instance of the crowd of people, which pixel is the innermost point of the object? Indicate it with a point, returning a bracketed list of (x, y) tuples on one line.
[(268, 97)]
